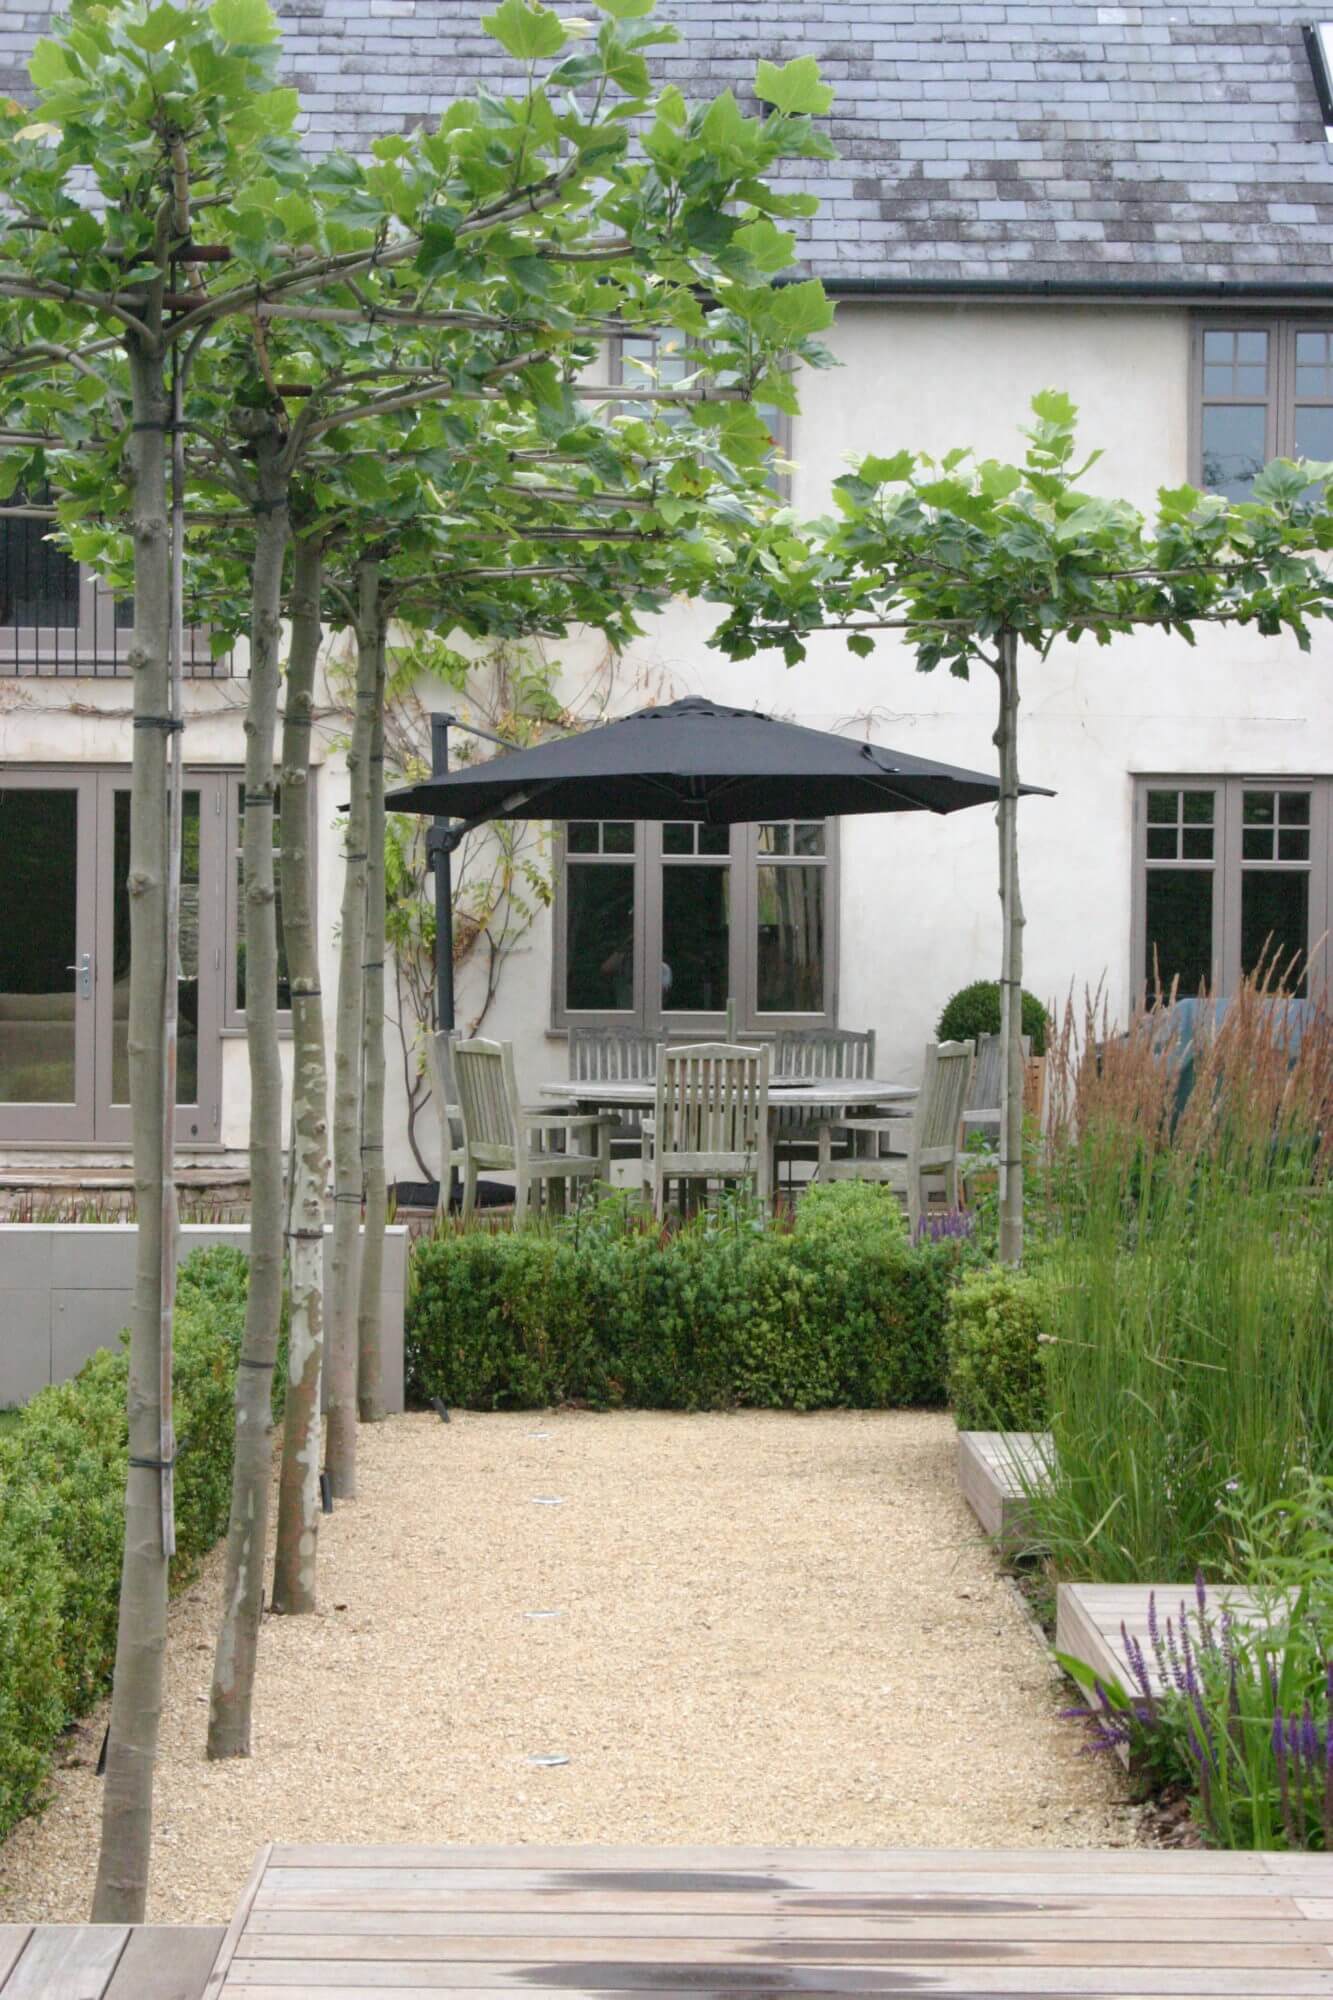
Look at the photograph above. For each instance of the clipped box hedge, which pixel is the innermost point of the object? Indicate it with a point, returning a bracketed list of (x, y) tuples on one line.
[(62, 1517), (839, 1311), (997, 1377)]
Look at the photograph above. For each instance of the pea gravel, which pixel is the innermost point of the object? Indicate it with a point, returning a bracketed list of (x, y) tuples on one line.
[(771, 1629)]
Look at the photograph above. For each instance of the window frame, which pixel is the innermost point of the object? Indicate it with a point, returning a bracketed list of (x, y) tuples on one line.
[(781, 433), (744, 859), (233, 1016), (1281, 400), (1228, 867)]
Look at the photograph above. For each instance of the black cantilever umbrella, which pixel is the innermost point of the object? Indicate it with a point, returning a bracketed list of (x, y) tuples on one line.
[(698, 760), (690, 760)]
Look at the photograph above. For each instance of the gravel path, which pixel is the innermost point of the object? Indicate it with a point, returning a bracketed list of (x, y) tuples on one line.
[(770, 1628)]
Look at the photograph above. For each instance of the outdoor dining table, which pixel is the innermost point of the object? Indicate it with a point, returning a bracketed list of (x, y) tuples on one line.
[(832, 1094)]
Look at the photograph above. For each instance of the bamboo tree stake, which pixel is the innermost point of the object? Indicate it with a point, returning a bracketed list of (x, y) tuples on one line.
[(243, 1584), (1011, 962), (121, 1889), (370, 1383), (294, 1563), (340, 1451)]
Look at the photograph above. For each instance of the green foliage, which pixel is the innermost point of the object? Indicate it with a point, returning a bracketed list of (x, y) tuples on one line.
[(997, 1378), (604, 1309), (975, 1010), (1190, 1253), (955, 551), (62, 1499)]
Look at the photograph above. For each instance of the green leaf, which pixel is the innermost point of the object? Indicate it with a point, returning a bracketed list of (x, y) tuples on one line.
[(801, 309), (249, 22), (1282, 481), (795, 88), (998, 481), (723, 123), (861, 644), (626, 10), (1053, 406), (529, 31), (48, 65), (886, 471), (164, 25), (769, 247)]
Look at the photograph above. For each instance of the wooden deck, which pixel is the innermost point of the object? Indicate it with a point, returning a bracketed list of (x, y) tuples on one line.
[(996, 1471), (1091, 1620), (349, 1923), (106, 1961)]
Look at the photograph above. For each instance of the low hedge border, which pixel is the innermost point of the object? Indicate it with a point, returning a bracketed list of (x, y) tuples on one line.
[(997, 1377), (839, 1311), (62, 1518)]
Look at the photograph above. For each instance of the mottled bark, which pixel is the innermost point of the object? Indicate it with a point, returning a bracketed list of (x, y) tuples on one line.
[(247, 1532), (121, 1890), (294, 1563), (370, 1391), (1011, 965), (340, 1448)]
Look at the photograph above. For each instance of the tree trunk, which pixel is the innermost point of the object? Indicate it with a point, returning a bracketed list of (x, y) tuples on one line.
[(298, 1488), (121, 1890), (340, 1450), (370, 1387), (1011, 964), (247, 1532)]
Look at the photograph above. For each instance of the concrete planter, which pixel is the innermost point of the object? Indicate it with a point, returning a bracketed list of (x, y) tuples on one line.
[(67, 1288)]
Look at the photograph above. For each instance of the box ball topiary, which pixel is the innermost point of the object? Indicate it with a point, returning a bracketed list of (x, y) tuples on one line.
[(975, 1010)]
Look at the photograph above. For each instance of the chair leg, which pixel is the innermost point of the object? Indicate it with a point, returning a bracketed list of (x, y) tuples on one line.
[(913, 1201), (825, 1160), (522, 1200), (604, 1152), (469, 1190)]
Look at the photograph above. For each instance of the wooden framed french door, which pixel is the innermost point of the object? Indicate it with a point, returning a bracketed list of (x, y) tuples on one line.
[(65, 958)]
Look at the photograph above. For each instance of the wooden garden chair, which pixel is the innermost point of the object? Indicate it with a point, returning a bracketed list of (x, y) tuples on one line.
[(813, 1054), (503, 1135), (710, 1121), (605, 1055), (982, 1113), (909, 1154)]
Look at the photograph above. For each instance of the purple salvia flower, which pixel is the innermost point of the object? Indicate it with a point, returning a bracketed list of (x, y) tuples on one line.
[(1138, 1666), (1177, 1673)]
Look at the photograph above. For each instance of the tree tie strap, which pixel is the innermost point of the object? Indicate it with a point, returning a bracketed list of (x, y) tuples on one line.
[(256, 798), (372, 965), (362, 856), (155, 1464), (246, 1362), (305, 1235), (349, 1197), (268, 506), (154, 424), (169, 724)]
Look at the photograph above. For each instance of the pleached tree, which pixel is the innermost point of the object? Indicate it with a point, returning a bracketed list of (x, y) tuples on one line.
[(978, 564)]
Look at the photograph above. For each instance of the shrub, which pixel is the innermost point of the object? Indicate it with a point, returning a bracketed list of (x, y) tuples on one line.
[(997, 1377), (62, 1499), (840, 1310), (975, 1010)]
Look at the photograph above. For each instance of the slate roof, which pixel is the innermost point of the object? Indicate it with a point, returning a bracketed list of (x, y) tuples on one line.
[(1011, 143)]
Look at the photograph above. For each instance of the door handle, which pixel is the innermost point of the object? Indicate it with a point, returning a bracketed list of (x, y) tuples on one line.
[(83, 965)]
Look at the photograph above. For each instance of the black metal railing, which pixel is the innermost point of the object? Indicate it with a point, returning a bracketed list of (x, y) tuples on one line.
[(57, 622)]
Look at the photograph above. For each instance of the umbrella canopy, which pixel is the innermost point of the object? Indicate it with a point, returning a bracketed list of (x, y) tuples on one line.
[(698, 760)]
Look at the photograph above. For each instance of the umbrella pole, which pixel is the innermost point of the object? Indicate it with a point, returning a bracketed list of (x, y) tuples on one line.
[(444, 887)]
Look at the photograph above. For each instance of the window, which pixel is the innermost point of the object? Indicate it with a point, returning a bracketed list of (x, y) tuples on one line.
[(1265, 390), (657, 926), (659, 360), (1231, 874), (234, 995)]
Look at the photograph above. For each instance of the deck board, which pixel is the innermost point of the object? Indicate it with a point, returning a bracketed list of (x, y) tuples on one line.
[(66, 1962), (996, 1472), (353, 1923), (1091, 1621)]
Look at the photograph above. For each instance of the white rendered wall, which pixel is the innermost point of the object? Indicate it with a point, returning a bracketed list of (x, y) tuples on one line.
[(919, 912)]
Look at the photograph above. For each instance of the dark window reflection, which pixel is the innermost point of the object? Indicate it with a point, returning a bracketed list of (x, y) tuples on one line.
[(599, 937)]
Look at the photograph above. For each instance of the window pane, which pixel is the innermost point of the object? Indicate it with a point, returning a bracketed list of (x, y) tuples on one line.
[(187, 986), (39, 583), (599, 938), (1314, 431), (1293, 808), (1163, 843), (1260, 808), (1179, 929), (790, 943), (1196, 843), (1235, 364), (808, 838), (1256, 843), (581, 836), (1234, 438), (775, 839), (618, 836), (39, 836), (714, 839), (678, 837), (1197, 808), (1275, 922), (1293, 843), (696, 929), (1164, 808)]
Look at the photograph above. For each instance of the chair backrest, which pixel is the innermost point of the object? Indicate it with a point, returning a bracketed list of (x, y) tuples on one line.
[(599, 1055), (487, 1089), (712, 1097), (944, 1088), (989, 1072), (819, 1052), (448, 1117)]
